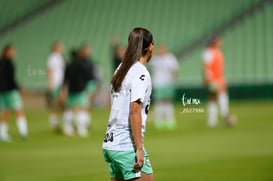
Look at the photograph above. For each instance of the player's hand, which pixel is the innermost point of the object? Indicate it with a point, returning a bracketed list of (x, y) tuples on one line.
[(22, 92), (139, 159), (49, 87), (62, 98)]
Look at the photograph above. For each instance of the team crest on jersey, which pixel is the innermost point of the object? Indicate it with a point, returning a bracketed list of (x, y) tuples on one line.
[(142, 77)]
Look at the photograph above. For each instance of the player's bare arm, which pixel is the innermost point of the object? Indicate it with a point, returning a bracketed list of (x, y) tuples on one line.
[(136, 124)]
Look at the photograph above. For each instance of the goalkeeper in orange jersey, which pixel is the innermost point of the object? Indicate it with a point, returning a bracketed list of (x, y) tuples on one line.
[(215, 82)]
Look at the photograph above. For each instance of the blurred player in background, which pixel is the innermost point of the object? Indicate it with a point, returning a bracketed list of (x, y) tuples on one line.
[(79, 83), (55, 74), (215, 82), (10, 98), (164, 70), (123, 145), (117, 53), (95, 73)]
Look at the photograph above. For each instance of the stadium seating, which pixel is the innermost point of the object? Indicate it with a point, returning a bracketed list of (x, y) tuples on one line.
[(14, 9), (247, 50), (175, 23)]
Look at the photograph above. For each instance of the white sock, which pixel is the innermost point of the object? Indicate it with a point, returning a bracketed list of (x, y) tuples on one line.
[(22, 126), (159, 113), (89, 120), (82, 118), (4, 130), (53, 120), (212, 114), (223, 104), (67, 121), (169, 112)]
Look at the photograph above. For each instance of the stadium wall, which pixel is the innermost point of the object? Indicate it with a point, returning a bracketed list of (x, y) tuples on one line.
[(236, 92)]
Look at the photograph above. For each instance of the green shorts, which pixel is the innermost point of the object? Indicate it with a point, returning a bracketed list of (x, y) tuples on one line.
[(91, 87), (11, 100), (77, 100), (121, 163), (164, 92), (52, 96)]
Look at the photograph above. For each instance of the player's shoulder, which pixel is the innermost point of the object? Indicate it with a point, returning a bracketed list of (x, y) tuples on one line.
[(52, 59), (207, 56), (52, 56), (139, 68), (55, 57), (170, 55), (172, 58), (206, 51)]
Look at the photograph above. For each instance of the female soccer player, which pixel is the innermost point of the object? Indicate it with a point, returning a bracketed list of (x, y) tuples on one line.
[(123, 146), (79, 79), (55, 75), (10, 98), (164, 71), (213, 61)]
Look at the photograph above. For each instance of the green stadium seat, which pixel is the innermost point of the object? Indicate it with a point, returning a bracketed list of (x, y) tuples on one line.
[(11, 10)]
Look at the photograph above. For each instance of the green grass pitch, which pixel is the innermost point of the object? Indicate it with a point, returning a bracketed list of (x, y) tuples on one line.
[(192, 152)]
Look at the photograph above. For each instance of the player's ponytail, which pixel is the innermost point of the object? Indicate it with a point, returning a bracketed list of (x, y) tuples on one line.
[(138, 42)]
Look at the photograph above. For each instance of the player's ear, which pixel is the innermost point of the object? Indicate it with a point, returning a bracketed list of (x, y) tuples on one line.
[(151, 47)]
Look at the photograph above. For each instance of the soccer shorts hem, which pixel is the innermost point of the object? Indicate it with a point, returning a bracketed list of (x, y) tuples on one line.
[(77, 100), (164, 92), (121, 163), (11, 100), (52, 96)]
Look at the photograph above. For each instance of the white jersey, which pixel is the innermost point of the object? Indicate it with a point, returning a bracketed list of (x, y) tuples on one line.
[(135, 86), (56, 66), (163, 69)]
